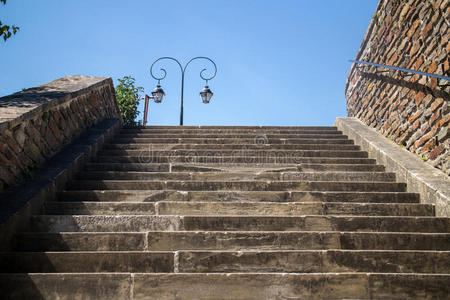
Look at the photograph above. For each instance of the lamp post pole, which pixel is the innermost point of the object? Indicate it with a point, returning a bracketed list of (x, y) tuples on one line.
[(158, 93), (182, 97)]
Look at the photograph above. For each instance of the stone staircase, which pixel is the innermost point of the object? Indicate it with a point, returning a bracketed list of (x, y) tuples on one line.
[(231, 213)]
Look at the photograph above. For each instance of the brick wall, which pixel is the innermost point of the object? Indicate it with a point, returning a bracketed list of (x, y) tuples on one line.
[(35, 124), (412, 111)]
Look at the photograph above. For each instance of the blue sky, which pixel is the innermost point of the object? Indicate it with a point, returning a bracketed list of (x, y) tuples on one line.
[(279, 62)]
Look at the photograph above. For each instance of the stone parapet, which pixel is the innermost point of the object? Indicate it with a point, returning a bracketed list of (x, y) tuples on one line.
[(430, 183), (411, 110), (19, 203), (37, 123)]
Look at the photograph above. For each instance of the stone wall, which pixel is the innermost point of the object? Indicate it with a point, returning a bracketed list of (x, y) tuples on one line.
[(37, 123), (411, 110)]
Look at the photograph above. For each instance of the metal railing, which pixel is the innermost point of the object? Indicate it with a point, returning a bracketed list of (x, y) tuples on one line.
[(400, 69)]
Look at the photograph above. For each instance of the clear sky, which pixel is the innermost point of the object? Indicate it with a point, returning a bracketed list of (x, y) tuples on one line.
[(279, 62)]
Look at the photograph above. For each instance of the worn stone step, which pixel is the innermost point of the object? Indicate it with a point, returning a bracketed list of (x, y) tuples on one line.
[(140, 223), (105, 223), (237, 185), (258, 138), (66, 286), (291, 286), (81, 241), (188, 167), (331, 139), (226, 160), (147, 167), (230, 131), (339, 176), (240, 196), (243, 146), (293, 208), (190, 261), (237, 208), (295, 240), (233, 167), (319, 223), (314, 261), (213, 286), (231, 240), (100, 208), (238, 176), (340, 167), (207, 127), (150, 153), (95, 262)]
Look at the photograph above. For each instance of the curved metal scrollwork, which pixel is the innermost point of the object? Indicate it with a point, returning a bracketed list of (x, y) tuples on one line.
[(183, 71), (201, 72), (160, 78), (165, 73)]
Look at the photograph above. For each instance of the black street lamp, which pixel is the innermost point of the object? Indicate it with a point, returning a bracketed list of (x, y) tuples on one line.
[(158, 93), (205, 94)]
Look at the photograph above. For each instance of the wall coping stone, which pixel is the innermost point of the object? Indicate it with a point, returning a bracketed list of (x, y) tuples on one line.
[(23, 105), (432, 185)]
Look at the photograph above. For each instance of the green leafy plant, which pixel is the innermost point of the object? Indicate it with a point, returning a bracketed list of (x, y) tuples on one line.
[(7, 31), (127, 94)]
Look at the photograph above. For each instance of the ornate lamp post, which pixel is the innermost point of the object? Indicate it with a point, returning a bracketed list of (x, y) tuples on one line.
[(205, 94)]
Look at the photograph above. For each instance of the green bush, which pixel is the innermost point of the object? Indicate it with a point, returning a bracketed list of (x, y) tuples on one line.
[(127, 95)]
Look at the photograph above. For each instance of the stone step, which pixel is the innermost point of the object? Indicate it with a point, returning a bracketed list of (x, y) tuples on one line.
[(340, 167), (150, 153), (190, 261), (237, 185), (213, 286), (101, 208), (237, 208), (81, 241), (231, 240), (226, 160), (188, 167), (237, 196), (219, 132), (264, 128), (95, 262), (239, 176), (314, 261), (243, 146), (214, 212), (295, 240), (258, 138), (293, 208), (179, 167), (331, 139), (140, 223), (339, 176)]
